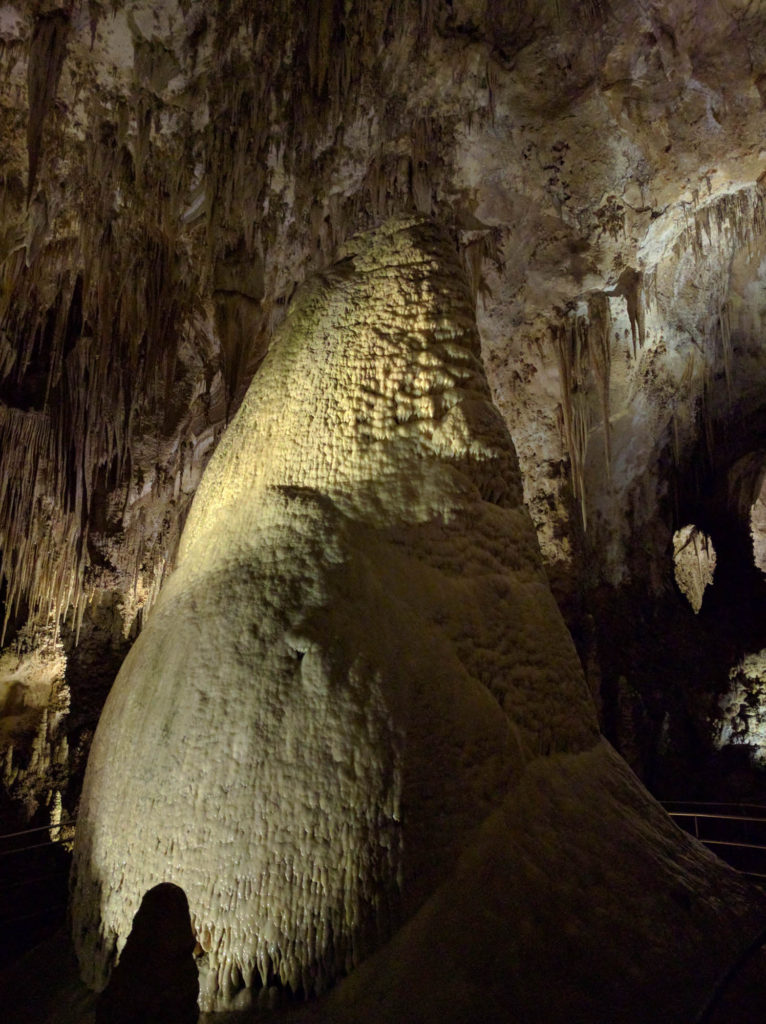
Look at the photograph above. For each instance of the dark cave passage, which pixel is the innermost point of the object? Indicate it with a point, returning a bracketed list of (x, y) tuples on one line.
[(666, 671)]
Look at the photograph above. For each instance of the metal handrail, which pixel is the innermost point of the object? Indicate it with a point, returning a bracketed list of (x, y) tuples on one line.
[(730, 842), (725, 980), (34, 846), (710, 803), (38, 828), (716, 817), (720, 988), (69, 823), (699, 817)]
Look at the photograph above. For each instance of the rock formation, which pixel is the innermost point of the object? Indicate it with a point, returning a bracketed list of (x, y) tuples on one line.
[(174, 172), (357, 678), (344, 672)]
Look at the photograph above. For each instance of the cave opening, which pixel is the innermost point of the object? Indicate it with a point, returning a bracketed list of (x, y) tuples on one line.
[(694, 561), (758, 524), (680, 666)]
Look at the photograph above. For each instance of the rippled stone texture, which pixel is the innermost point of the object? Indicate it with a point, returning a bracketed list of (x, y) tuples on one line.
[(356, 655)]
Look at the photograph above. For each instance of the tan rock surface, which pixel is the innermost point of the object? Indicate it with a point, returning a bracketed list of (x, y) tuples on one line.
[(355, 703), (346, 670)]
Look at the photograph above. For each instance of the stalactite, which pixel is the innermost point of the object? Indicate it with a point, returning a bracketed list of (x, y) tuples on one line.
[(320, 32), (740, 215), (30, 556), (630, 286), (98, 308), (683, 411), (104, 338), (706, 410), (711, 235), (583, 347), (478, 250), (491, 74), (570, 338), (47, 50), (599, 350), (474, 262), (424, 150), (724, 333)]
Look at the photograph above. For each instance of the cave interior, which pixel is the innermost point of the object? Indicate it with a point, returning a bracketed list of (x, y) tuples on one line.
[(222, 223)]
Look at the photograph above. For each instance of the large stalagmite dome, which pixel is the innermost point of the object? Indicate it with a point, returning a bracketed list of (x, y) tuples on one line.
[(355, 714), (355, 656)]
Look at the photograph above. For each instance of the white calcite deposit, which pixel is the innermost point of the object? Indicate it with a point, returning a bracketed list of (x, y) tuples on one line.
[(355, 711), (357, 652)]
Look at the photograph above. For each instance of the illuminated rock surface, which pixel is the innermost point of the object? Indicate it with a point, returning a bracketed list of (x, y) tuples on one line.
[(694, 560), (336, 712), (345, 671)]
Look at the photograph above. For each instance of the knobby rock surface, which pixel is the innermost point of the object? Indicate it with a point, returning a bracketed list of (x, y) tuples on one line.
[(355, 712)]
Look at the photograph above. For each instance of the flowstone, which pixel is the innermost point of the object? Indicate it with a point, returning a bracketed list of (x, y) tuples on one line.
[(330, 729), (344, 673)]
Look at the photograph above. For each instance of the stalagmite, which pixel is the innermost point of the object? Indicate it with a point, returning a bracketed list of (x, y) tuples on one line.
[(355, 712), (342, 677), (172, 173)]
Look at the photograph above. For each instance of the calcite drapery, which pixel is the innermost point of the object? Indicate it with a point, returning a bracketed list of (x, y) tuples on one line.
[(345, 671)]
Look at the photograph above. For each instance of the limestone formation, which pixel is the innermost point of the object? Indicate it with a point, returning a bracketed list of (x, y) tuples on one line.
[(345, 671), (357, 676), (171, 171), (174, 172)]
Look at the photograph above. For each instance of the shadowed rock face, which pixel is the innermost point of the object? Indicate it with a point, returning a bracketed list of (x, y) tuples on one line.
[(356, 655)]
